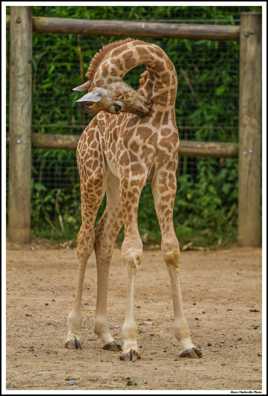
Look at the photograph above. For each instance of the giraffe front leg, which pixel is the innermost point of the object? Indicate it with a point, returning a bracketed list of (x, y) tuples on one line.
[(129, 328), (164, 190), (106, 234), (132, 253), (85, 246)]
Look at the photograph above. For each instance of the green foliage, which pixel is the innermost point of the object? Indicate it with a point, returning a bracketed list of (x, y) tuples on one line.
[(207, 110)]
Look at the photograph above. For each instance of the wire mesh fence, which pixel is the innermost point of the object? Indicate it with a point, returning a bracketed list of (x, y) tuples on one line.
[(206, 110)]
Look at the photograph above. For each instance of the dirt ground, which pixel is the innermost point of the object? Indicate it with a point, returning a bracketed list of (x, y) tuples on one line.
[(222, 299)]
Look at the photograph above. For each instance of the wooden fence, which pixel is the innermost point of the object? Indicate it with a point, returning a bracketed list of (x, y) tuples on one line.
[(22, 24)]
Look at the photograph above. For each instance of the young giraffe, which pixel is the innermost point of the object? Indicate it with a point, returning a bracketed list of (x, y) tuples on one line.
[(117, 154)]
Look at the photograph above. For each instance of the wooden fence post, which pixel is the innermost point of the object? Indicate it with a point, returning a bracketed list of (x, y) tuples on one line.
[(19, 209), (249, 213)]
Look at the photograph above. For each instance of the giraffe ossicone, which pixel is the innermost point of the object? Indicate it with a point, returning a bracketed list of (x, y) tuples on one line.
[(117, 153)]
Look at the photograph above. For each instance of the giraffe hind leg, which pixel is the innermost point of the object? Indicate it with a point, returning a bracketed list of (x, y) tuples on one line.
[(164, 190)]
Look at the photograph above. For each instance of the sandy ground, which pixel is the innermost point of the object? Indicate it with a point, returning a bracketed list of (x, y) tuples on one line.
[(222, 295)]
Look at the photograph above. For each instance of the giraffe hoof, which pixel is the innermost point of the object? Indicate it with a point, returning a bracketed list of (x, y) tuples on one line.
[(112, 346), (192, 353), (73, 343), (130, 356)]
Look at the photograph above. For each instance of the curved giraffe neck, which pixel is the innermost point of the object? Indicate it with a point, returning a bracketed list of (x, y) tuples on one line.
[(101, 54), (162, 73)]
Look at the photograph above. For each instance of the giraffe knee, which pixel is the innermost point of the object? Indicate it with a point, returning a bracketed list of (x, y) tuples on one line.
[(85, 243), (133, 259), (172, 256), (132, 252)]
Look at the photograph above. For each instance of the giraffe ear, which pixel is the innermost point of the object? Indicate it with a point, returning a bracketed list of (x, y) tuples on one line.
[(83, 87), (94, 96)]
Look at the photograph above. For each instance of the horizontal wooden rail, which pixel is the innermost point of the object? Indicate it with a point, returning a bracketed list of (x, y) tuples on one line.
[(208, 149), (53, 141), (189, 148), (135, 28)]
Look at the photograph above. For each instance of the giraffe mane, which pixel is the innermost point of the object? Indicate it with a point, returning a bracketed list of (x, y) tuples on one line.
[(100, 55)]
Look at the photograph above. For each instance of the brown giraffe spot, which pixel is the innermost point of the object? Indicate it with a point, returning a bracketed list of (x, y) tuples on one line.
[(144, 120), (115, 134), (130, 217), (137, 168), (162, 99), (134, 147), (147, 151), (165, 131), (143, 53), (98, 182), (163, 177), (124, 159), (165, 118), (123, 194), (172, 95), (171, 140), (159, 66), (113, 148), (171, 181), (167, 198), (127, 136), (162, 189), (105, 70), (88, 163), (162, 208), (95, 164), (157, 52), (100, 82), (129, 60), (124, 184), (152, 139), (133, 156), (113, 71), (172, 186), (112, 125), (130, 195), (157, 119), (170, 165), (127, 208), (117, 63), (144, 132), (159, 85), (165, 78), (135, 190), (133, 121), (168, 212)]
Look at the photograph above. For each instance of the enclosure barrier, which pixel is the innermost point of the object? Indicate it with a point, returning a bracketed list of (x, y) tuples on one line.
[(21, 137)]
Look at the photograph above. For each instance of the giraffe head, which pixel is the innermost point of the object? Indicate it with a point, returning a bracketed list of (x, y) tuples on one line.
[(114, 97)]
